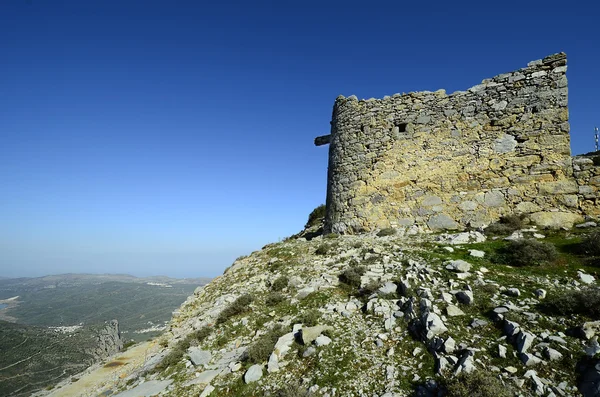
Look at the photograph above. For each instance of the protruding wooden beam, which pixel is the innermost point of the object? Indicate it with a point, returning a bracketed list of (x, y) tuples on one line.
[(322, 140)]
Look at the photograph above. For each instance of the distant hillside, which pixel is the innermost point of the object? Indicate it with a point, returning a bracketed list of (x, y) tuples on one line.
[(32, 358), (142, 305)]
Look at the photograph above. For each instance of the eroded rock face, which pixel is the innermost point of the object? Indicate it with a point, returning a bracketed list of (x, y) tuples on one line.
[(436, 161), (108, 340)]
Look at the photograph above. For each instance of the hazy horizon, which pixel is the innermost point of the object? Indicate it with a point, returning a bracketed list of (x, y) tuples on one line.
[(152, 138)]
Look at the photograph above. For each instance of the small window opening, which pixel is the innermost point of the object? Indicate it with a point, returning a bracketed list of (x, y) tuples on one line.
[(401, 127)]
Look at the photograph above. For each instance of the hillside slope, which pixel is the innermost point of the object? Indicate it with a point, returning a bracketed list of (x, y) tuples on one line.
[(388, 316)]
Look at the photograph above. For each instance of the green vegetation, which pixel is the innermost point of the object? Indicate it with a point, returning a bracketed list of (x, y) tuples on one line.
[(388, 231), (308, 318), (567, 303), (178, 351), (34, 358), (280, 283), (506, 225), (239, 306), (94, 301), (591, 244), (527, 252), (323, 249), (478, 384), (352, 275), (274, 298), (260, 350), (316, 216)]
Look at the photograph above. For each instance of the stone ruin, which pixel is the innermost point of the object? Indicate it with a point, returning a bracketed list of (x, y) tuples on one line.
[(448, 162)]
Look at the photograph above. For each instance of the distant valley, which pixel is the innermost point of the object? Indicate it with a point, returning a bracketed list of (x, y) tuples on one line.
[(55, 326)]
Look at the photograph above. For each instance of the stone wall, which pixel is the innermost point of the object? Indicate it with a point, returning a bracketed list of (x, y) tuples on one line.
[(443, 161)]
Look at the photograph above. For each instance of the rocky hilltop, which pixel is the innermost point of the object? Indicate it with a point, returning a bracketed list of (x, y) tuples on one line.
[(510, 311)]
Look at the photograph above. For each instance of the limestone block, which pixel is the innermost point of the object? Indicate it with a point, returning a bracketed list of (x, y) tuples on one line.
[(555, 220), (558, 187), (442, 222)]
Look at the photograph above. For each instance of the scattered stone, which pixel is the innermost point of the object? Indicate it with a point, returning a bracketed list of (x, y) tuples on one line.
[(309, 352), (511, 370), (254, 373), (586, 278), (592, 348), (322, 340), (433, 325), (465, 297), (198, 356), (552, 354), (513, 292), (540, 293), (388, 288), (458, 265), (477, 322), (476, 253), (207, 390), (454, 311), (524, 341), (529, 359), (149, 388), (502, 351), (586, 225), (309, 334)]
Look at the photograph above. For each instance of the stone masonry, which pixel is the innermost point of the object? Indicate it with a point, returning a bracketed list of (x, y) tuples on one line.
[(441, 161)]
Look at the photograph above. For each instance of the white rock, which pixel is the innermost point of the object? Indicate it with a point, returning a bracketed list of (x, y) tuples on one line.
[(454, 311), (207, 390), (502, 351), (254, 373), (477, 253), (322, 340), (585, 278), (458, 266), (540, 293)]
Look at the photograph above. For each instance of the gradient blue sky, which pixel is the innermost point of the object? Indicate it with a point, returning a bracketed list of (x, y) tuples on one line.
[(170, 137)]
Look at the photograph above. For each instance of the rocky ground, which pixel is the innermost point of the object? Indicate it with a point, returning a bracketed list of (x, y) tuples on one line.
[(375, 315)]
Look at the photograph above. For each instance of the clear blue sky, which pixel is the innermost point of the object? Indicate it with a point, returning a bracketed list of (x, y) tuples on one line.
[(170, 137)]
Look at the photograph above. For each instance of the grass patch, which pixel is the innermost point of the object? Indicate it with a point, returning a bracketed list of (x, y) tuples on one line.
[(308, 318)]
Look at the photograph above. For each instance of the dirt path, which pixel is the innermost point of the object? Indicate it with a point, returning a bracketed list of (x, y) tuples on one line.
[(95, 380)]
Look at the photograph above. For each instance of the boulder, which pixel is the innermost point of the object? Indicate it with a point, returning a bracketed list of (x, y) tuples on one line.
[(555, 220), (254, 373)]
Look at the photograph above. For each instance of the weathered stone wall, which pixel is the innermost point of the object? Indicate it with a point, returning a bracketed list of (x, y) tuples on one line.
[(449, 161)]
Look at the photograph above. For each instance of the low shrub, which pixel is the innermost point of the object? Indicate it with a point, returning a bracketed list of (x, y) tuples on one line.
[(477, 384), (274, 298), (371, 287), (239, 306), (388, 231), (571, 302), (506, 225), (316, 216), (596, 160), (260, 350), (352, 275), (280, 283), (527, 252), (309, 318), (322, 249), (591, 244)]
